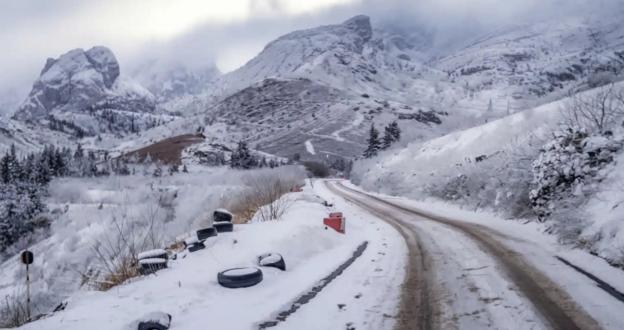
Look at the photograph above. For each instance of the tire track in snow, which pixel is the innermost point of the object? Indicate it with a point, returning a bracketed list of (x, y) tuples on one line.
[(416, 310), (553, 304), (308, 296), (601, 284)]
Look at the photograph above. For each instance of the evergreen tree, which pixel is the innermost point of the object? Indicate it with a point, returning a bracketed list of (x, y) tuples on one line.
[(387, 138), (5, 172), (374, 145), (395, 131), (242, 157), (392, 133), (79, 153)]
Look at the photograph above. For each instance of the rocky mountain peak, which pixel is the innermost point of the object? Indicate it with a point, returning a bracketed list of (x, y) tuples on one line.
[(74, 82), (361, 26)]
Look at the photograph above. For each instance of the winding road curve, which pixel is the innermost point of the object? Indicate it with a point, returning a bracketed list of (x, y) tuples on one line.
[(444, 283)]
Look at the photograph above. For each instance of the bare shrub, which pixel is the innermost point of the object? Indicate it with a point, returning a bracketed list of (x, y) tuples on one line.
[(595, 111), (263, 195), (13, 310), (116, 251)]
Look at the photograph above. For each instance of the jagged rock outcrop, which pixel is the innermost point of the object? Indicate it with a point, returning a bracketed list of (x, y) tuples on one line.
[(80, 81)]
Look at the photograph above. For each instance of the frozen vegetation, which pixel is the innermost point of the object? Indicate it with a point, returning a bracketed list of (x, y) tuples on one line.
[(556, 163), (99, 220)]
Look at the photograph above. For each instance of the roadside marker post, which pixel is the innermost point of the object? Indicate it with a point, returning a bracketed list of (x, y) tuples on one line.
[(27, 259)]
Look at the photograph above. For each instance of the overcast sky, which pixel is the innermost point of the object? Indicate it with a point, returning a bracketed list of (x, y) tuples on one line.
[(225, 32)]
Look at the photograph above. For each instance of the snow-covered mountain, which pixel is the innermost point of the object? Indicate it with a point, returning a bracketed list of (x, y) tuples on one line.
[(324, 86), (533, 63), (173, 81), (83, 92), (80, 81)]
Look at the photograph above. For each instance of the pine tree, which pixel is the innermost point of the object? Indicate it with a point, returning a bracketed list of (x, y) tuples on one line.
[(392, 133), (374, 145), (388, 138), (395, 131), (242, 158), (5, 172), (15, 169), (79, 153)]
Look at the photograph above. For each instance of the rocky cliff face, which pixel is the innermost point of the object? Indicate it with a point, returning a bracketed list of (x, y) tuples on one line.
[(80, 80)]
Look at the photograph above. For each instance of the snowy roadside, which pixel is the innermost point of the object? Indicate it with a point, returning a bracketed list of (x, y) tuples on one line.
[(540, 249), (188, 289)]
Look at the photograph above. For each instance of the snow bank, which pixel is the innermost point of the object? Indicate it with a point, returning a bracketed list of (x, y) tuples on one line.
[(92, 212), (188, 288), (604, 234)]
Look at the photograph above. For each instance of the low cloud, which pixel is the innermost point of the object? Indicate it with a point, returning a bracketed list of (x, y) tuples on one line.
[(36, 29)]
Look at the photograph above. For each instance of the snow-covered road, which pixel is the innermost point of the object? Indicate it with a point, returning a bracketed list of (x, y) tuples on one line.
[(466, 275), (419, 270)]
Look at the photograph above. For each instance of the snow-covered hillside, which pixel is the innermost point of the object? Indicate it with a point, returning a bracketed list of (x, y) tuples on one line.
[(377, 72), (545, 60), (490, 167)]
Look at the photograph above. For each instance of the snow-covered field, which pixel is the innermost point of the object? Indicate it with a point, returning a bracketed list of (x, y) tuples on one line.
[(91, 212), (188, 289)]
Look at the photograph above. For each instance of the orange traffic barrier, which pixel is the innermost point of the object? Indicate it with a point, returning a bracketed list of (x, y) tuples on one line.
[(336, 223)]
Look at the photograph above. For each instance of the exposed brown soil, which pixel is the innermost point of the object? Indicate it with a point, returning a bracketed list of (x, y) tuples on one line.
[(167, 151)]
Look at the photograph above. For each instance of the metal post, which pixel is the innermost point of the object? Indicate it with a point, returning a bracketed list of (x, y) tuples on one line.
[(27, 292)]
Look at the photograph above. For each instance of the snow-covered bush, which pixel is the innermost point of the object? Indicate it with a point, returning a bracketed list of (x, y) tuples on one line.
[(13, 310), (262, 197), (20, 205), (565, 174), (88, 212)]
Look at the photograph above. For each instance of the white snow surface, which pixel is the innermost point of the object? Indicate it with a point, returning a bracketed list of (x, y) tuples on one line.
[(151, 261), (410, 171), (240, 271), (151, 253), (188, 289), (310, 147), (535, 245)]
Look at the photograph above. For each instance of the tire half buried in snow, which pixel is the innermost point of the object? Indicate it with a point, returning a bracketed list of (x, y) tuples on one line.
[(240, 277), (222, 215), (223, 227), (203, 234), (272, 260)]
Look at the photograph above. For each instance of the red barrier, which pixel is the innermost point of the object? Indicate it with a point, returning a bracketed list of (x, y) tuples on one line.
[(336, 223)]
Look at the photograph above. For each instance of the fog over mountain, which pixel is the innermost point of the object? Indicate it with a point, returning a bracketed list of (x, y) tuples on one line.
[(228, 35)]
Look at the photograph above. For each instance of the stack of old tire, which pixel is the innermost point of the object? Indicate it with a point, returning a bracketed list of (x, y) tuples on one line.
[(152, 261), (222, 221)]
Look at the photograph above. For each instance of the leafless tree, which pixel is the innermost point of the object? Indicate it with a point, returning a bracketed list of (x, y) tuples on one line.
[(116, 250), (264, 195), (596, 111)]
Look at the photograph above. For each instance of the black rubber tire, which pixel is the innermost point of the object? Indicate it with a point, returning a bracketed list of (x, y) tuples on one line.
[(239, 281), (151, 326), (146, 269), (219, 216), (160, 256), (155, 325), (279, 264), (203, 234), (196, 247), (224, 227)]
